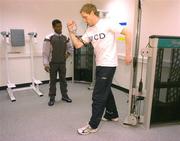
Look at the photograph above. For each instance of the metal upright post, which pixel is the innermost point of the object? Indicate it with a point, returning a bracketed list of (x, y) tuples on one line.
[(35, 82), (132, 118), (9, 84)]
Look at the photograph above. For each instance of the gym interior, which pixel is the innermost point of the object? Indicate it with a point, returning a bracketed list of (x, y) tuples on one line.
[(147, 91)]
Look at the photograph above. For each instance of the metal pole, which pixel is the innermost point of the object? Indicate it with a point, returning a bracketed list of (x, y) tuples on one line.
[(131, 119)]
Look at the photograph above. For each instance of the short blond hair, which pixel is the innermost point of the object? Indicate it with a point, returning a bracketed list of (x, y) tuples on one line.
[(88, 8)]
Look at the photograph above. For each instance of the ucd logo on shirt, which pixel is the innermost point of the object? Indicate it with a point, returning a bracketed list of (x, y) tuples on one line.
[(97, 36)]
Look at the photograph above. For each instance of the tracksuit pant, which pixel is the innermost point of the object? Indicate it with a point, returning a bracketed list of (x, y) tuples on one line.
[(102, 97), (58, 68)]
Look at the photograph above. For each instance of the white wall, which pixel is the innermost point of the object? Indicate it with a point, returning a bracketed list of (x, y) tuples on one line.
[(36, 16), (0, 12), (0, 42), (0, 19), (160, 17)]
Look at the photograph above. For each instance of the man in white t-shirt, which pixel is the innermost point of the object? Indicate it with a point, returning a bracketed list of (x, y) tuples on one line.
[(101, 34)]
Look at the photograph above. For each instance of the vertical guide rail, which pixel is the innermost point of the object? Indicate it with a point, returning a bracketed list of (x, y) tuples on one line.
[(136, 53), (31, 59), (7, 59), (35, 82), (131, 119)]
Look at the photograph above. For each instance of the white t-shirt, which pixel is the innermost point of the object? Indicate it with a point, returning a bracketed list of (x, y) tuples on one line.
[(102, 37)]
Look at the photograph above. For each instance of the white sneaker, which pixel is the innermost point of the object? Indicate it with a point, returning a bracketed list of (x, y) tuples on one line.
[(113, 119), (86, 130)]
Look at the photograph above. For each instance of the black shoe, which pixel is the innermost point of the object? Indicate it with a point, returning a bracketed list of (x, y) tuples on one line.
[(51, 101), (67, 99)]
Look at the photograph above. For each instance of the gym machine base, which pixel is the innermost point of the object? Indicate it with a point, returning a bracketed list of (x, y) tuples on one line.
[(11, 87)]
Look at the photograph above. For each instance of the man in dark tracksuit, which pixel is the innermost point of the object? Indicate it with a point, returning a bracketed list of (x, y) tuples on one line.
[(56, 48)]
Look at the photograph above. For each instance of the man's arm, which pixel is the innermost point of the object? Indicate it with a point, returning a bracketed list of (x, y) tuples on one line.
[(127, 34), (76, 42), (46, 54)]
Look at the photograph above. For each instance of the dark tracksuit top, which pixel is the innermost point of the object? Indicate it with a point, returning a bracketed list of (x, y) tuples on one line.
[(55, 47)]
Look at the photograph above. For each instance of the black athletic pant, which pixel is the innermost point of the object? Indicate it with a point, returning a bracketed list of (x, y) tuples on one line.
[(102, 97), (56, 68)]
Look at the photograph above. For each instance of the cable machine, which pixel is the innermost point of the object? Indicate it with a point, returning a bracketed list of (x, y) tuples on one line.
[(161, 92), (11, 87), (162, 100)]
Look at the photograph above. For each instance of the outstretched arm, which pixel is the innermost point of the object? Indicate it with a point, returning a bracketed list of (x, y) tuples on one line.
[(127, 34)]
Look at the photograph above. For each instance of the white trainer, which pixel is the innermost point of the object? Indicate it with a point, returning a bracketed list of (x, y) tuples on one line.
[(86, 130), (113, 119)]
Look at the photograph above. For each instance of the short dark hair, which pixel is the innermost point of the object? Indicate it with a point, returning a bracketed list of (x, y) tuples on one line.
[(88, 8), (56, 21)]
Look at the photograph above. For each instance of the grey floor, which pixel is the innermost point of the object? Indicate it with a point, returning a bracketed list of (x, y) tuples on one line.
[(31, 119)]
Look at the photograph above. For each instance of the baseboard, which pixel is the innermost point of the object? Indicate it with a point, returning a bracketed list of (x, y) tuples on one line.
[(68, 78), (120, 88), (28, 84), (3, 87)]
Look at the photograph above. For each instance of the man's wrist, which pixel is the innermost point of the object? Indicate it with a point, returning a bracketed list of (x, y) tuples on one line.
[(71, 31)]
